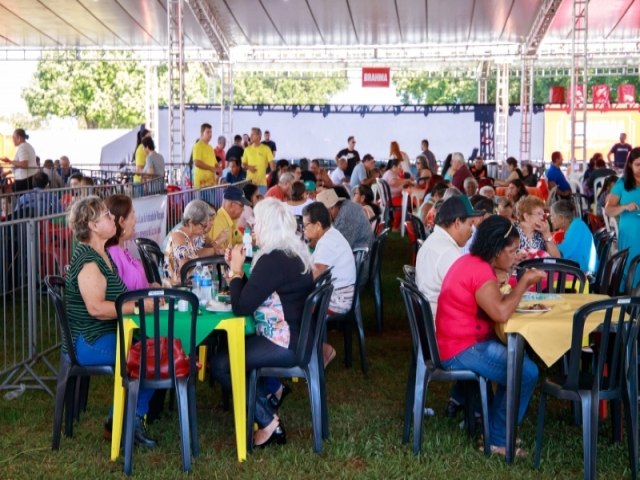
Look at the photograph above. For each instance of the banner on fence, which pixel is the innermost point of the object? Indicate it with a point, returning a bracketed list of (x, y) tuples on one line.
[(151, 219)]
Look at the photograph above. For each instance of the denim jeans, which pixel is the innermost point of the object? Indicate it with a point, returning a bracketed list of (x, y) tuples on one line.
[(489, 359), (103, 352)]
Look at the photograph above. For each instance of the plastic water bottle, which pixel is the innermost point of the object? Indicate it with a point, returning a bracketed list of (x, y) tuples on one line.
[(197, 280), (248, 244), (15, 393), (205, 286)]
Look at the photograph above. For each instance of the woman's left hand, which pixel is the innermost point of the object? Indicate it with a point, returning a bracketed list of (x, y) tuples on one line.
[(237, 258)]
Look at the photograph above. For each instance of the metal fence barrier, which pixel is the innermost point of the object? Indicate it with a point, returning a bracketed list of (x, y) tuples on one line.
[(33, 245)]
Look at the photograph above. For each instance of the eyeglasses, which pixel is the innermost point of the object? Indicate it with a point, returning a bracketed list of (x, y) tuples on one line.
[(106, 213)]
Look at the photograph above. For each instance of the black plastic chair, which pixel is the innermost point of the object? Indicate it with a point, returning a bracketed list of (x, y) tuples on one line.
[(603, 242), (70, 373), (589, 385), (426, 366), (185, 387), (308, 365), (152, 259), (557, 269), (375, 271), (217, 260), (353, 317), (409, 274), (631, 273), (612, 274)]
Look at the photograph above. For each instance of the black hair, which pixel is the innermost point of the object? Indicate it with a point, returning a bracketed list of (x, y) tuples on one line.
[(629, 180), (249, 190), (234, 160), (492, 236), (367, 156), (512, 161), (317, 213), (237, 138), (439, 189), (393, 162), (522, 189), (148, 142), (204, 127), (341, 192), (304, 164), (21, 133), (282, 163), (367, 193), (446, 165), (40, 179), (485, 204), (76, 176)]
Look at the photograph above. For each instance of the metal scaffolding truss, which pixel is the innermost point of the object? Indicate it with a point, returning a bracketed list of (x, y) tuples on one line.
[(502, 112), (484, 72), (540, 26), (207, 19), (151, 97), (578, 89), (176, 81), (526, 104)]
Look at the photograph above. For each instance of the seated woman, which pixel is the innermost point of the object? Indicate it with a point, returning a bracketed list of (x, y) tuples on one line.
[(424, 173), (299, 198), (281, 278), (528, 177), (130, 269), (516, 190), (189, 240), (363, 195), (578, 242), (252, 193), (514, 173), (469, 305), (394, 177), (91, 286), (331, 250), (534, 230)]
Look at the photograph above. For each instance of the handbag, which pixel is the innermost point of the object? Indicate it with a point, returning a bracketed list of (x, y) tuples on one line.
[(180, 359)]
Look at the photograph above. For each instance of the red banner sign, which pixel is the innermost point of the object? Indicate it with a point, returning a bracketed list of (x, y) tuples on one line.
[(376, 76)]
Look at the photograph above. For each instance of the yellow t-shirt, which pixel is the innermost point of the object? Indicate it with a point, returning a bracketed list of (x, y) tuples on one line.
[(258, 157), (203, 152), (141, 159), (224, 231)]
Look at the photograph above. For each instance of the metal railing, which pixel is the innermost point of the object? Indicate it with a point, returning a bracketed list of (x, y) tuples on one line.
[(39, 244)]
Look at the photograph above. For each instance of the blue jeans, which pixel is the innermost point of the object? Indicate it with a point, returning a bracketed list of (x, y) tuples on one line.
[(103, 352), (489, 359)]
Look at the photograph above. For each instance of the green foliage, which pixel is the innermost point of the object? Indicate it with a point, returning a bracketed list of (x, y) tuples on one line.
[(435, 90), (100, 94), (291, 89)]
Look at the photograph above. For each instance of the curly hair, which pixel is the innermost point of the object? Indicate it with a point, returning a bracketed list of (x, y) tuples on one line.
[(527, 204), (83, 211), (492, 236)]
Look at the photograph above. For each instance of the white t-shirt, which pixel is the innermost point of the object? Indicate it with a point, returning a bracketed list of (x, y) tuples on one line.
[(333, 250), (337, 176), (435, 257), (25, 152), (297, 209)]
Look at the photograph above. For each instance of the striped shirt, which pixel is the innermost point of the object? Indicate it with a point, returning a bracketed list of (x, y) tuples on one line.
[(80, 322)]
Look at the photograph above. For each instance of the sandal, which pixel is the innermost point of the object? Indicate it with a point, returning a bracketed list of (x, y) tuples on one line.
[(495, 450), (519, 441)]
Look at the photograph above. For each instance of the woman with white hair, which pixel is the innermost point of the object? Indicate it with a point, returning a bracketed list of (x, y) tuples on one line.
[(281, 278), (189, 240)]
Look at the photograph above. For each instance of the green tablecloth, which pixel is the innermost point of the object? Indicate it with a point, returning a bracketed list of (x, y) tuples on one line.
[(207, 323)]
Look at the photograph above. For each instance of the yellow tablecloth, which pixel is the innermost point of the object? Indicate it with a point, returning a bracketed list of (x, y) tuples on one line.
[(549, 333)]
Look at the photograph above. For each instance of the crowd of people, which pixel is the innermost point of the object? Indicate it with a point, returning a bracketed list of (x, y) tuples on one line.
[(305, 219)]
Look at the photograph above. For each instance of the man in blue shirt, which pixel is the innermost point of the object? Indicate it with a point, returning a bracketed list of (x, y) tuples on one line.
[(37, 202), (620, 152), (556, 178), (236, 173)]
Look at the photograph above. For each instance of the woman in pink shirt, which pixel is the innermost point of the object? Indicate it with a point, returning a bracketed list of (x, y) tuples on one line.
[(130, 270), (469, 305)]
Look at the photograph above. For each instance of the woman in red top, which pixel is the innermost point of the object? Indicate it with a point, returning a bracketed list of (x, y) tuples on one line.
[(469, 305)]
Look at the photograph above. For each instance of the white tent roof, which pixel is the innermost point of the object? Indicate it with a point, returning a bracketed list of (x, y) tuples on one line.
[(350, 31)]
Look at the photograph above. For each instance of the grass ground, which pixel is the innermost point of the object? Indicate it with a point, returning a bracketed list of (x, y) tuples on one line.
[(365, 421)]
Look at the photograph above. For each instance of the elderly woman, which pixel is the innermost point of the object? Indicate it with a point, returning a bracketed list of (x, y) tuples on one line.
[(91, 286), (189, 240), (578, 242), (281, 278), (469, 306), (534, 230)]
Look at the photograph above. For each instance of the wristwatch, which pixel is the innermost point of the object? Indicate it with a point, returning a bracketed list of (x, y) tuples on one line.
[(549, 239)]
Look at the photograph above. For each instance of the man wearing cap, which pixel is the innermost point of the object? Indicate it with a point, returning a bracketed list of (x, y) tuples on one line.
[(310, 189), (348, 218), (281, 191), (451, 232), (224, 231), (361, 172)]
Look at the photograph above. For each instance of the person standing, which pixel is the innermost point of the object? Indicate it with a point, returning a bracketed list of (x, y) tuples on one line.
[(154, 166), (431, 158), (139, 155), (204, 159), (352, 155), (24, 163), (624, 201), (256, 158), (269, 143), (619, 151), (219, 151)]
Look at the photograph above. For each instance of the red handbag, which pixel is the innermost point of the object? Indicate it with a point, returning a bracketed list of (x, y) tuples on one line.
[(180, 359)]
